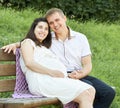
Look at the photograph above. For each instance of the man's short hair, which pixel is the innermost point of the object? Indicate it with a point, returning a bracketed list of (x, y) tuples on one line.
[(52, 11)]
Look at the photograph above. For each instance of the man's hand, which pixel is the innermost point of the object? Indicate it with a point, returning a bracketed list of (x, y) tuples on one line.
[(77, 74), (9, 48)]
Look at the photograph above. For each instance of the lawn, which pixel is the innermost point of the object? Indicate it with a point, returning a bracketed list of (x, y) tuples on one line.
[(103, 38)]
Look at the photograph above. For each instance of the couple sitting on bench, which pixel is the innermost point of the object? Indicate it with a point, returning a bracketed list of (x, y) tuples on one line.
[(45, 73)]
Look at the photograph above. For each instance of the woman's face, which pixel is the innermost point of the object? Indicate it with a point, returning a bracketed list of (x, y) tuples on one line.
[(41, 31)]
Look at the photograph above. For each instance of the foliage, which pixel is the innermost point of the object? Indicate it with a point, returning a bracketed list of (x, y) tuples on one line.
[(103, 38), (103, 10), (14, 24)]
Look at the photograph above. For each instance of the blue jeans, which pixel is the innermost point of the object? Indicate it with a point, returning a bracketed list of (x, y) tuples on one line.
[(104, 93)]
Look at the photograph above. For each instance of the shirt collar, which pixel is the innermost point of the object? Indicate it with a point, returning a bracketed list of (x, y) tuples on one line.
[(71, 34)]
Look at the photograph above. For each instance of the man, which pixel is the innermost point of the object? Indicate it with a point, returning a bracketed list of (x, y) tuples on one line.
[(74, 51)]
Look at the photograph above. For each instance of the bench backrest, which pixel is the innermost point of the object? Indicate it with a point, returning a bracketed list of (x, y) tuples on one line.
[(7, 69)]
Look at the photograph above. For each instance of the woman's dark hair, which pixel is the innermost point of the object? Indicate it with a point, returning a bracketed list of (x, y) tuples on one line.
[(47, 41)]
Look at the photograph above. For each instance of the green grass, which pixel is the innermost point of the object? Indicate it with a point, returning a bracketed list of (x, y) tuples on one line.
[(103, 38), (105, 46)]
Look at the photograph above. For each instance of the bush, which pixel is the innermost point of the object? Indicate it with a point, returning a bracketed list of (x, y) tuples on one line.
[(103, 10), (103, 39)]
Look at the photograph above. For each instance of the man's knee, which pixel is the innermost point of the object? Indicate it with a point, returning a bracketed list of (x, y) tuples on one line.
[(111, 92)]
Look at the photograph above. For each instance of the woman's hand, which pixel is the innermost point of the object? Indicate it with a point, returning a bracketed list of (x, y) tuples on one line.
[(56, 73), (9, 48)]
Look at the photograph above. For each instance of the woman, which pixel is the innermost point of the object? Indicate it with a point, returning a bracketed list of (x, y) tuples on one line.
[(45, 74)]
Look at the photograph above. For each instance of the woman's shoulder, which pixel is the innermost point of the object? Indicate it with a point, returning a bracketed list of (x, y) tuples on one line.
[(28, 41)]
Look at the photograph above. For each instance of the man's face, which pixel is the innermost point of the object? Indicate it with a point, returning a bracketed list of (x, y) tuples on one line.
[(57, 22)]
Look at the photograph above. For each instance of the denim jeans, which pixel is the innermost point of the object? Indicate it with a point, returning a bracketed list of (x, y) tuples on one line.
[(104, 93)]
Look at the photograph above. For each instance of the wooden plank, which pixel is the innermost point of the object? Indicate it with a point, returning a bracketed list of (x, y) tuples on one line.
[(27, 103), (1, 106), (5, 56), (7, 69), (7, 85)]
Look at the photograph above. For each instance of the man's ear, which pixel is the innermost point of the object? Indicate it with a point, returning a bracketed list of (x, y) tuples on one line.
[(65, 18)]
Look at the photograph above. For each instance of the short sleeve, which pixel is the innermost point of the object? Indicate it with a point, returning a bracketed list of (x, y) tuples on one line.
[(30, 41), (85, 47)]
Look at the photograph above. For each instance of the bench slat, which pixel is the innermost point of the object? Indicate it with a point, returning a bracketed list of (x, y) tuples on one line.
[(7, 85), (27, 103), (7, 69), (5, 56)]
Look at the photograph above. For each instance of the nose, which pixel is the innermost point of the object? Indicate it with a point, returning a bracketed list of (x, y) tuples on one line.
[(42, 30), (55, 24)]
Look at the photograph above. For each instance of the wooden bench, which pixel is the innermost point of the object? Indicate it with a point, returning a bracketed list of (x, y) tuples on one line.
[(7, 84)]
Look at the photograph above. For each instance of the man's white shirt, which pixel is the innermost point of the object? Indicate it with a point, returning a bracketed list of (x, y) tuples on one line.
[(71, 50)]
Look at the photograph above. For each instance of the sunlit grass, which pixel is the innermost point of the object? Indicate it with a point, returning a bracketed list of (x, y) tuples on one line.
[(103, 38)]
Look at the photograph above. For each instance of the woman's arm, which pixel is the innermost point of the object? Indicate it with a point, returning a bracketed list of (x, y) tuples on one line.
[(27, 53)]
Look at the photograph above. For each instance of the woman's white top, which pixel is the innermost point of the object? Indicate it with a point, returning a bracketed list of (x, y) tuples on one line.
[(65, 89)]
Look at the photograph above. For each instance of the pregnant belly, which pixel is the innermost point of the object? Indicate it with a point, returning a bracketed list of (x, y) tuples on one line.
[(54, 64)]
